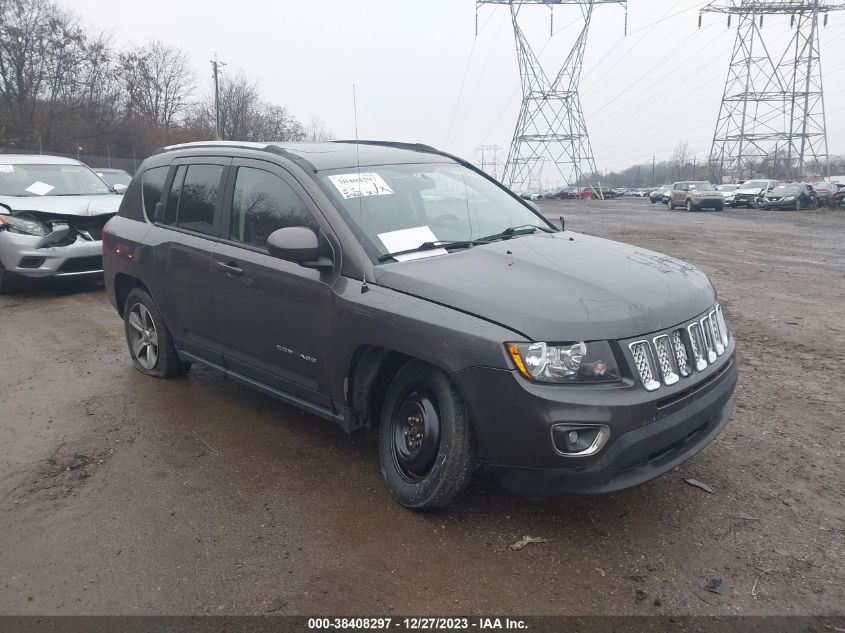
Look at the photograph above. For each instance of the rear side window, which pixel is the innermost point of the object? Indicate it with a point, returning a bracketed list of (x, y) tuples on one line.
[(199, 198), (264, 203), (152, 184), (192, 201)]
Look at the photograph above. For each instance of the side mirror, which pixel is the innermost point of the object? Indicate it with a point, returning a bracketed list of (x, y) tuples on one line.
[(120, 188), (298, 244)]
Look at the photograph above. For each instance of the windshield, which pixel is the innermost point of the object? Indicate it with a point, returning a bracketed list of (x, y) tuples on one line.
[(784, 189), (404, 206), (728, 187), (115, 177), (702, 186), (756, 184), (50, 180)]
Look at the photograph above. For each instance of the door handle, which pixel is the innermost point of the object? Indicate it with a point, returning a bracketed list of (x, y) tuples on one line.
[(230, 268)]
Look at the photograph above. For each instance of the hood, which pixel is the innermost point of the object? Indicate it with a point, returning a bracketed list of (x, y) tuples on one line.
[(751, 190), (698, 193), (559, 287), (84, 206)]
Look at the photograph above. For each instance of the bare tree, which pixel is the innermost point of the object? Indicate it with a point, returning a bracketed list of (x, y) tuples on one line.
[(158, 83), (680, 158), (245, 116), (317, 130)]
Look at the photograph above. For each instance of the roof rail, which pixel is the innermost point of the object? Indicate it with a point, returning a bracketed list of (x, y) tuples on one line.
[(421, 147)]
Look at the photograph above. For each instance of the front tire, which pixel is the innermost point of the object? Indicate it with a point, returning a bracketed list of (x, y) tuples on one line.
[(720, 206), (670, 204), (425, 443), (798, 204), (150, 342), (691, 206)]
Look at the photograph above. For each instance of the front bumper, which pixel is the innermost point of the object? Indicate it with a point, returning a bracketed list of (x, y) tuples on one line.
[(708, 203), (651, 433), (778, 205), (32, 256)]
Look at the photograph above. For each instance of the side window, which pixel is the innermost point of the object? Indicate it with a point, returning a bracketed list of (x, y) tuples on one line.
[(152, 184), (173, 196), (264, 203), (198, 199)]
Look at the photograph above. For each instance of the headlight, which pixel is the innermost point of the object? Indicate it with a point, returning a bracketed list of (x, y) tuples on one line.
[(565, 362), (23, 225), (788, 198)]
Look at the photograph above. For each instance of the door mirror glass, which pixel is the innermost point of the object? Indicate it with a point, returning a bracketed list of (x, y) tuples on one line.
[(294, 244), (120, 188)]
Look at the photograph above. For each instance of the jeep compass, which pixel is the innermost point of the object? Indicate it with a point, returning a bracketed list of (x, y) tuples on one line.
[(396, 287)]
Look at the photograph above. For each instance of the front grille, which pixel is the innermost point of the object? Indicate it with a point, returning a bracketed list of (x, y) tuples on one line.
[(670, 356), (83, 264)]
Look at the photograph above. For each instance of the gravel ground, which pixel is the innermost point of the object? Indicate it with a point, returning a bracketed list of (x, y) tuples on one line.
[(121, 494)]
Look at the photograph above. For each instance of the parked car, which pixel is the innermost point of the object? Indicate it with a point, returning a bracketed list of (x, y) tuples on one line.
[(824, 191), (794, 196), (751, 192), (117, 178), (837, 200), (694, 195), (660, 194), (320, 275), (52, 212), (728, 192)]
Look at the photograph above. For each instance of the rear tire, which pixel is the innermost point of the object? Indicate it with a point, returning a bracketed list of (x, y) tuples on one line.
[(150, 342), (425, 442)]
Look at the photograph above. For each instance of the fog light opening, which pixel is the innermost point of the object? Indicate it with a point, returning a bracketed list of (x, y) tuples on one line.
[(579, 440)]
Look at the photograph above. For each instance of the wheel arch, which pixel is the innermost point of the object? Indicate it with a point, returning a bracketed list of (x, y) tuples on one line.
[(123, 285)]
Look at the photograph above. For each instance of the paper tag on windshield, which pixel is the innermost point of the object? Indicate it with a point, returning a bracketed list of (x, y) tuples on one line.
[(40, 188), (6, 169), (407, 239), (360, 185)]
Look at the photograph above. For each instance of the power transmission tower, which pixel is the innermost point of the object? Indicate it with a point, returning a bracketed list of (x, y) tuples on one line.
[(489, 156), (772, 112), (550, 130), (215, 66)]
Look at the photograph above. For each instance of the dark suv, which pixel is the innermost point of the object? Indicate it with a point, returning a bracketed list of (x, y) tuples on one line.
[(394, 286)]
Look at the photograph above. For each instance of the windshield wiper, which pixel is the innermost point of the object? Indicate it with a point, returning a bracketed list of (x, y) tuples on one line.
[(523, 229), (430, 246)]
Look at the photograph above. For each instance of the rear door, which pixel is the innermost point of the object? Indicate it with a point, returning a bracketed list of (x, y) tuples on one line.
[(273, 315), (183, 240)]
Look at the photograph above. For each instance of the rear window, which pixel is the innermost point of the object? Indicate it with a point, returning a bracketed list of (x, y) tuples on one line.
[(152, 184)]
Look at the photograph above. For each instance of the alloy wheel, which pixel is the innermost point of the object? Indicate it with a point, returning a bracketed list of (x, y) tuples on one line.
[(143, 336)]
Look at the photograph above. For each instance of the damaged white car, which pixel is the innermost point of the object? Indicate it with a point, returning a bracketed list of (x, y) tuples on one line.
[(52, 213)]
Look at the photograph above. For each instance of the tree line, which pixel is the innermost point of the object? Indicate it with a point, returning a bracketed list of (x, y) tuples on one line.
[(65, 87)]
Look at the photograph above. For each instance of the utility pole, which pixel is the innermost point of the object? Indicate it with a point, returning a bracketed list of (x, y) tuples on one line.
[(653, 165), (216, 65), (773, 98), (694, 164), (551, 130)]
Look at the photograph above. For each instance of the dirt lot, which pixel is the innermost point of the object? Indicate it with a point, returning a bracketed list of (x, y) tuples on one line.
[(121, 494)]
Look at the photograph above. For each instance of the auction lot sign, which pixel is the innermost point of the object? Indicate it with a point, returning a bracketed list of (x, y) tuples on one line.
[(541, 624)]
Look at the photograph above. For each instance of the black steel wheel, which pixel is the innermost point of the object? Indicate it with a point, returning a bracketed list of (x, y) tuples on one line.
[(425, 443)]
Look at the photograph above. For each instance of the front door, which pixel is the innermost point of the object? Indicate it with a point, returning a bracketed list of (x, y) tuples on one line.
[(273, 315)]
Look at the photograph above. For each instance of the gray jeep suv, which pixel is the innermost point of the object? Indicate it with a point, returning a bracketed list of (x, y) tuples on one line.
[(393, 286)]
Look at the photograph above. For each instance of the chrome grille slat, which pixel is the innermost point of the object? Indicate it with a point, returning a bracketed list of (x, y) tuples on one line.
[(698, 347), (642, 359), (681, 356), (717, 335), (665, 359), (709, 345), (723, 326)]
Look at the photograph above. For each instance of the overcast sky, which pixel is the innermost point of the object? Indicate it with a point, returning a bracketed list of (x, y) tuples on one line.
[(422, 74)]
